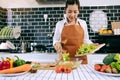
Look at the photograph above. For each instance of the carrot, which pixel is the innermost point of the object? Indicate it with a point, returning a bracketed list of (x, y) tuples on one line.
[(22, 68)]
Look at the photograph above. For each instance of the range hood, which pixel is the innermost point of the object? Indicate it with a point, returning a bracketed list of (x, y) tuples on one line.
[(51, 1)]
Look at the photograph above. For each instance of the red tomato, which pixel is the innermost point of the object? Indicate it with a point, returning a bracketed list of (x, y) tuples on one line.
[(97, 67), (68, 70), (58, 69), (103, 68), (63, 67)]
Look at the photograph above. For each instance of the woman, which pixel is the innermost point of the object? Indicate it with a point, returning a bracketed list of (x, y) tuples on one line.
[(71, 32)]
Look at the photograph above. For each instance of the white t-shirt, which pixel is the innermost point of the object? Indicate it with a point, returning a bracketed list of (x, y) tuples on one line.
[(59, 28)]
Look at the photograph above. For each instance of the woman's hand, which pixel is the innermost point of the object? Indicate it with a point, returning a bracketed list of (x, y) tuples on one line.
[(58, 47), (96, 44)]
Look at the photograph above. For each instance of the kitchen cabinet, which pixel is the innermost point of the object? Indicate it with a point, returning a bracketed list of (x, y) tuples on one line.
[(112, 43)]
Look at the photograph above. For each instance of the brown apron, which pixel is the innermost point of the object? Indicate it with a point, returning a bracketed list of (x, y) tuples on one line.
[(72, 38)]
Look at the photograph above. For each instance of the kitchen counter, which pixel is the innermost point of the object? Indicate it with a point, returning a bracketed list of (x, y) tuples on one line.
[(33, 56), (50, 57), (83, 72)]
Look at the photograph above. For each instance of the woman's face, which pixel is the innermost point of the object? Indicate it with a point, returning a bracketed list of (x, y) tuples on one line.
[(72, 12)]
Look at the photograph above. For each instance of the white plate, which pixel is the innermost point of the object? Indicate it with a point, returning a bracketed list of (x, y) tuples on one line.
[(108, 74), (10, 45), (16, 74)]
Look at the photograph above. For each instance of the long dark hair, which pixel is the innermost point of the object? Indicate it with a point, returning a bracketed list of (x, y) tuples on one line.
[(72, 2)]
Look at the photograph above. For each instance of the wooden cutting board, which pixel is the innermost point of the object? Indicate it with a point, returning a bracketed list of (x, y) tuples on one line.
[(98, 47), (47, 66)]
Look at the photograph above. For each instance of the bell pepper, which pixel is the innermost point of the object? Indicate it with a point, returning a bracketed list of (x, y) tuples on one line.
[(4, 64), (11, 60), (18, 62), (0, 65)]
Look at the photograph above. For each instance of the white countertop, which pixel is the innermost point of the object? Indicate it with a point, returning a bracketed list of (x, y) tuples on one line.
[(51, 57), (37, 57)]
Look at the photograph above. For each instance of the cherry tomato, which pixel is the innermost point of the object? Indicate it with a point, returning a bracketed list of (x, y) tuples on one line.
[(63, 67), (68, 70), (103, 68), (97, 67), (58, 69)]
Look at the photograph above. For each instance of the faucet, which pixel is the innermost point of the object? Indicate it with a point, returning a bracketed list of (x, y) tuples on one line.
[(45, 17)]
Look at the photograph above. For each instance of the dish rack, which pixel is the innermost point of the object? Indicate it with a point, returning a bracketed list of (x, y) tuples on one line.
[(116, 27), (10, 32)]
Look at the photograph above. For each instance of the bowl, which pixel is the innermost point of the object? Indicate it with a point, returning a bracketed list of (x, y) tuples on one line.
[(73, 63)]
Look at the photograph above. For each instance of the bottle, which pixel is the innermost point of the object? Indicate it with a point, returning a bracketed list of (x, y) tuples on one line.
[(23, 47), (32, 46)]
